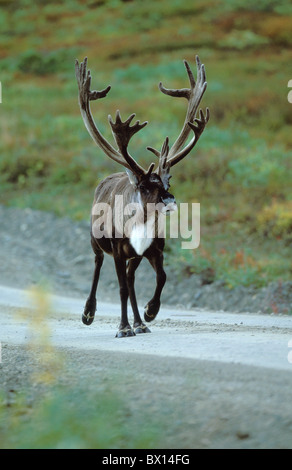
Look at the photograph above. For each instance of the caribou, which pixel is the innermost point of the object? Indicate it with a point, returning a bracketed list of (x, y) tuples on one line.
[(139, 188)]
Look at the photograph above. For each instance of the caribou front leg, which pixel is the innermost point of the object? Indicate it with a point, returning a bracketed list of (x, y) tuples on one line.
[(120, 264), (152, 308), (139, 326)]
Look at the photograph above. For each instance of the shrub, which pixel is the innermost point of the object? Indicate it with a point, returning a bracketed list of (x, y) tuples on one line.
[(242, 40), (40, 63), (36, 63), (275, 221)]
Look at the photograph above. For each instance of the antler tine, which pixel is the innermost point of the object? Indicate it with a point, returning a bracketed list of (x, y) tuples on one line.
[(165, 148), (123, 132), (150, 169), (153, 150), (164, 166)]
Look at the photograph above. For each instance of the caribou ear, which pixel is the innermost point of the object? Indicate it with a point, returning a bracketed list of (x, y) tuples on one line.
[(132, 177)]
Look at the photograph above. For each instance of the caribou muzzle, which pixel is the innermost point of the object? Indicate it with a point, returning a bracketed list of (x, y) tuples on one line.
[(169, 204)]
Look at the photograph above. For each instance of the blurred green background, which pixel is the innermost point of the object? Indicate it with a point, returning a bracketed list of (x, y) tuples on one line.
[(240, 171)]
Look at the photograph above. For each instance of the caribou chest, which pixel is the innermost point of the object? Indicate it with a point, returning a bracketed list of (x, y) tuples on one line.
[(142, 236)]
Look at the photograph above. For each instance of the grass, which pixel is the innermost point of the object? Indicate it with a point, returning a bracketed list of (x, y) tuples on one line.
[(241, 167), (63, 420)]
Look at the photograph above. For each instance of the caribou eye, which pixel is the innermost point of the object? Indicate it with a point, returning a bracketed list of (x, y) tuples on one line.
[(144, 189)]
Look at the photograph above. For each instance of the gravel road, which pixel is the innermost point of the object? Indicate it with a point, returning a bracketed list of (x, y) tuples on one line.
[(215, 380)]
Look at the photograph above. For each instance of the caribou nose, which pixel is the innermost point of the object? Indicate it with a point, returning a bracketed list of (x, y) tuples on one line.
[(169, 203)]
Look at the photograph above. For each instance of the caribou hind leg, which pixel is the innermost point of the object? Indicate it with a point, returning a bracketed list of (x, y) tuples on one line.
[(90, 306), (139, 326)]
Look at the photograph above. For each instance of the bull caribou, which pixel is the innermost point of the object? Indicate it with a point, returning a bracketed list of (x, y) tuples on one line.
[(138, 186)]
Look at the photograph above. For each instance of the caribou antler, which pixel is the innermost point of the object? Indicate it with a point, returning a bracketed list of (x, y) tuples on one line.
[(194, 95), (122, 131)]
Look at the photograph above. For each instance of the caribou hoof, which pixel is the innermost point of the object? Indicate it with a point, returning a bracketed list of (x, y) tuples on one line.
[(151, 310), (89, 312), (141, 329), (125, 332), (87, 319)]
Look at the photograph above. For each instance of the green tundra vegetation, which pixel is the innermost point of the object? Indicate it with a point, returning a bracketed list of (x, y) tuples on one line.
[(240, 171)]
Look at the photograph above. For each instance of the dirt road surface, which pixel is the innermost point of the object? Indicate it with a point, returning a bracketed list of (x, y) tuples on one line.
[(218, 380)]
